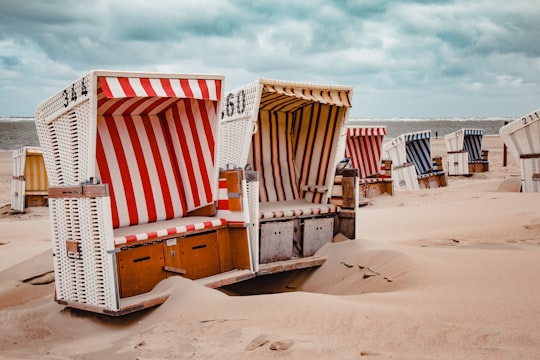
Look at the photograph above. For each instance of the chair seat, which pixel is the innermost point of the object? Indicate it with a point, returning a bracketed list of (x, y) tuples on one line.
[(292, 208), (130, 234), (373, 180)]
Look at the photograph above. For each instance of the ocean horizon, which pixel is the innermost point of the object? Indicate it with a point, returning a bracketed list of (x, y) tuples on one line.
[(19, 131)]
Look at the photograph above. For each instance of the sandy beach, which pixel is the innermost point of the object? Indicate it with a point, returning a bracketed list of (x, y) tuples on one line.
[(448, 273)]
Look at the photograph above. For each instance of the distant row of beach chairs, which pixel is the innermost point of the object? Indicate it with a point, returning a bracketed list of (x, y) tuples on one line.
[(151, 175), (407, 159)]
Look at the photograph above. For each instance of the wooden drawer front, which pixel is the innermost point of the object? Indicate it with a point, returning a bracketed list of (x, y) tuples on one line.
[(140, 269), (317, 233), (199, 255), (276, 241)]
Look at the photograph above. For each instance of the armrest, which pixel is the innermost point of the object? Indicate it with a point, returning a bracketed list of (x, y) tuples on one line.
[(315, 188)]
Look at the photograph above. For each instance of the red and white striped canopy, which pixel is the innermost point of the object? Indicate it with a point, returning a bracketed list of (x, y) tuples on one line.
[(120, 87), (364, 148), (366, 131)]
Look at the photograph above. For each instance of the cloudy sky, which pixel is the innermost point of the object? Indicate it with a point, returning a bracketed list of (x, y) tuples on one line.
[(423, 58)]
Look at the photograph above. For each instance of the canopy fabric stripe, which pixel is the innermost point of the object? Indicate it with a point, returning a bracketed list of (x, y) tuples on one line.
[(173, 145), (332, 96), (364, 148), (473, 144), (366, 131), (120, 87), (35, 173), (473, 131), (272, 157), (292, 149), (316, 128), (418, 150), (420, 135)]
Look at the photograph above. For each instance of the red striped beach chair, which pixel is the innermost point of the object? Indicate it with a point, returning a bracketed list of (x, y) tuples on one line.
[(135, 193), (414, 167), (289, 134), (522, 137), (465, 154), (29, 186), (363, 151)]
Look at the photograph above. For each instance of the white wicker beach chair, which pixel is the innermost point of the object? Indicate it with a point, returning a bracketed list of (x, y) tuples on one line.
[(522, 137), (29, 186), (363, 151), (413, 166), (135, 193), (290, 135), (465, 154)]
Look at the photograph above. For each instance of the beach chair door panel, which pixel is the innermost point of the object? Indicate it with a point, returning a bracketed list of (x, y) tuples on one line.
[(18, 182), (530, 173), (405, 177), (458, 163), (317, 233), (140, 269), (200, 255), (277, 241)]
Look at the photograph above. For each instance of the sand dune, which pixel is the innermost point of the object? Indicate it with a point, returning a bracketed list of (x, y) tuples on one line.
[(443, 273)]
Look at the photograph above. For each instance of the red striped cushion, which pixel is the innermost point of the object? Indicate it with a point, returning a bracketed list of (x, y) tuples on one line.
[(168, 228), (272, 210)]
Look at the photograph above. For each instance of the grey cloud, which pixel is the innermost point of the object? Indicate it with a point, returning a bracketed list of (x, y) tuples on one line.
[(385, 49)]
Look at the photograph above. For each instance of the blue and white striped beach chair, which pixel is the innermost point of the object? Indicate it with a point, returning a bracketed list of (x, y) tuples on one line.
[(465, 154), (522, 137), (414, 166)]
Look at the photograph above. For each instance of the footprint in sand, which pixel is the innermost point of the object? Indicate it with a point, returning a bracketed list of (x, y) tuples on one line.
[(281, 345)]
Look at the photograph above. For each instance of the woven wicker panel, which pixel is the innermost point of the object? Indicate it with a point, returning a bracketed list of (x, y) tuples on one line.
[(395, 150), (252, 195), (454, 141), (66, 144), (515, 134), (530, 170), (85, 275), (238, 124), (64, 100)]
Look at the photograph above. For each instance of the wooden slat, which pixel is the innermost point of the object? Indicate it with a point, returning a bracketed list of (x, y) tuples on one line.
[(529, 156), (287, 265), (226, 278), (82, 191)]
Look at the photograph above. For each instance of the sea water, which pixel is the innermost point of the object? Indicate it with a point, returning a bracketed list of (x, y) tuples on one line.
[(438, 126), (16, 132)]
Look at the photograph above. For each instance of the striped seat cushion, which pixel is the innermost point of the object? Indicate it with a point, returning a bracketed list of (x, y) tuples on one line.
[(172, 227), (435, 172), (300, 207), (373, 180)]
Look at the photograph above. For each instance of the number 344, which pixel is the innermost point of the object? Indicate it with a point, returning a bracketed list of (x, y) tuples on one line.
[(70, 95)]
